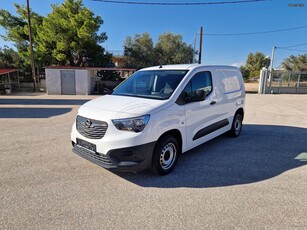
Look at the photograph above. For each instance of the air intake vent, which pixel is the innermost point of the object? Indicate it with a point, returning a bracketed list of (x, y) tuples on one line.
[(90, 128)]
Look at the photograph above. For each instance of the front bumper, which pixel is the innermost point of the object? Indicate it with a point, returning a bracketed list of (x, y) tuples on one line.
[(134, 159)]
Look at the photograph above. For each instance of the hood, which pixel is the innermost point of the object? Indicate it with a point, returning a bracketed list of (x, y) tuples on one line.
[(116, 107)]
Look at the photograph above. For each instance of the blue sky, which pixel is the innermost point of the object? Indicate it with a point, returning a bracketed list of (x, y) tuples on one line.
[(121, 20)]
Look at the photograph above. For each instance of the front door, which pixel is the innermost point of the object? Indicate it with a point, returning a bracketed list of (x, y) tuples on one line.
[(200, 115), (68, 82)]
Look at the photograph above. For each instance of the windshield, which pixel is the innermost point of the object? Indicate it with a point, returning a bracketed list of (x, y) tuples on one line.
[(154, 84)]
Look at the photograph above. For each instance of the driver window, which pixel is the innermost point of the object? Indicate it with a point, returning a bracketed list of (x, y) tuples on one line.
[(200, 81)]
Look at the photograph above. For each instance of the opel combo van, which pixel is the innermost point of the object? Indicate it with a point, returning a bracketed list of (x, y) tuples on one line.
[(158, 113)]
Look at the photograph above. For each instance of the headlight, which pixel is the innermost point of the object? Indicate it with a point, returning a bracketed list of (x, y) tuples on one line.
[(136, 124)]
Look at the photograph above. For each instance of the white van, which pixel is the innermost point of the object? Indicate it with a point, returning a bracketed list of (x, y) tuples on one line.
[(157, 114)]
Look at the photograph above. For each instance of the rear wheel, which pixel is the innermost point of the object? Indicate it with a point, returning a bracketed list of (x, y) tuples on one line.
[(165, 155), (236, 125)]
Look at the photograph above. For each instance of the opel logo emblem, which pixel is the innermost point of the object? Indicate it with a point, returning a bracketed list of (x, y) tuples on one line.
[(88, 123)]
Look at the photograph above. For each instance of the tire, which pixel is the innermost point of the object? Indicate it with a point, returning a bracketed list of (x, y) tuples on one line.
[(236, 126), (165, 155)]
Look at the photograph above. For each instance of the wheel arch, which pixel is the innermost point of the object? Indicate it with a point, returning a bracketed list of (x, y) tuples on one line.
[(176, 134), (241, 112)]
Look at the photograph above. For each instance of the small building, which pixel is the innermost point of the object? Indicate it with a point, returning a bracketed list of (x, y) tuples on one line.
[(69, 80), (119, 61), (9, 80)]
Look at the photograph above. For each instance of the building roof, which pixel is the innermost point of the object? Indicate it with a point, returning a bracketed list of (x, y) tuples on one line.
[(89, 68), (5, 71)]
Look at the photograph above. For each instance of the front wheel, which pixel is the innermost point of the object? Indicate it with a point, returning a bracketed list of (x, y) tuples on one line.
[(165, 155), (236, 125)]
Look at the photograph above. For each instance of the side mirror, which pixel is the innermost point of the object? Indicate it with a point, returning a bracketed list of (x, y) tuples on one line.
[(200, 95), (182, 99)]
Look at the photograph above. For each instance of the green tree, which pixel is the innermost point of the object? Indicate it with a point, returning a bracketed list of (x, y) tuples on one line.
[(295, 63), (169, 49), (9, 58), (16, 28), (245, 73), (70, 34), (254, 63), (139, 51), (67, 36)]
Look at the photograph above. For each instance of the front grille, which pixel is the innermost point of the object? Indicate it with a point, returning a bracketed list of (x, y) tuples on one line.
[(97, 158), (90, 128)]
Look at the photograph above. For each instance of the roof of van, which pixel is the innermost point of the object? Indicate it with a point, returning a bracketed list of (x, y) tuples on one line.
[(188, 67)]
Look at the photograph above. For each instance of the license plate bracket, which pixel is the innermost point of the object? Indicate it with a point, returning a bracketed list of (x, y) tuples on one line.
[(87, 145)]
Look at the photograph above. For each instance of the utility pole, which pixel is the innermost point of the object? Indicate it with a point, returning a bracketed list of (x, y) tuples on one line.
[(271, 68), (31, 46), (194, 49), (200, 44)]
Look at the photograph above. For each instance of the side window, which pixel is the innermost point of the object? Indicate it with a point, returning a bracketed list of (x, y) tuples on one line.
[(200, 81), (231, 84)]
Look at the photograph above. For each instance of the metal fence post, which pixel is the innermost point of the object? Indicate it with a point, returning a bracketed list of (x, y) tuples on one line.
[(261, 81), (298, 82), (289, 79)]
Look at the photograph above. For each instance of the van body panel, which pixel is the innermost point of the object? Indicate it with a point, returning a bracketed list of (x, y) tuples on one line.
[(198, 116), (123, 106), (197, 121)]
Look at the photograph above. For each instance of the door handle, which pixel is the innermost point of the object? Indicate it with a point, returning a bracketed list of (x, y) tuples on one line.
[(212, 102)]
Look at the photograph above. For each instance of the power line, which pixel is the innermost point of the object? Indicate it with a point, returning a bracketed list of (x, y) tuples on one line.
[(292, 49), (302, 44), (179, 3), (254, 33)]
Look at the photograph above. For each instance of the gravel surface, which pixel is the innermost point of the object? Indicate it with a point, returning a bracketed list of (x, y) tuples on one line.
[(250, 182)]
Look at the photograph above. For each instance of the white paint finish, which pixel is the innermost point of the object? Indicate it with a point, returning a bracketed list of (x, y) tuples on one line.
[(121, 107), (165, 115), (199, 115)]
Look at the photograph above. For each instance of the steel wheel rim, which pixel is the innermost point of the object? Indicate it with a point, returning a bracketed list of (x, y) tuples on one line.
[(237, 125), (168, 156)]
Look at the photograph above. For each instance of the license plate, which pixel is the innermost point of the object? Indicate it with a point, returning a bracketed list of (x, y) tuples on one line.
[(86, 145)]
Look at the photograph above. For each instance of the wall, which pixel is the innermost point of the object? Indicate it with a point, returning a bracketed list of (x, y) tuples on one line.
[(82, 82), (82, 79), (288, 90), (53, 81), (251, 87)]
